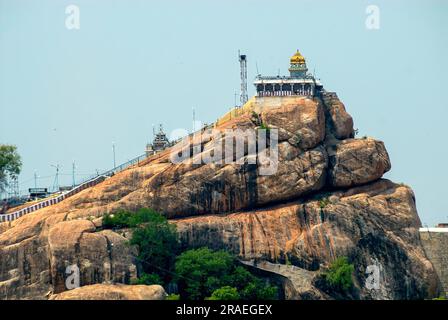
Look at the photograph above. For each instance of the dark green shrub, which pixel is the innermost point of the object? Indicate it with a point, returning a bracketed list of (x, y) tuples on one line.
[(339, 275), (116, 220), (127, 219), (173, 297), (157, 242), (148, 279), (201, 272), (225, 293), (198, 272), (146, 215)]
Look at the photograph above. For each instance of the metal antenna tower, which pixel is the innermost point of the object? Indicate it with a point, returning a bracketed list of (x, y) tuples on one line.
[(14, 187), (73, 174), (35, 179), (243, 75), (113, 152), (194, 120), (56, 178)]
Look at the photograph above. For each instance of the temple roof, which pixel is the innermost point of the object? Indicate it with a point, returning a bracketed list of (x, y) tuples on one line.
[(297, 58)]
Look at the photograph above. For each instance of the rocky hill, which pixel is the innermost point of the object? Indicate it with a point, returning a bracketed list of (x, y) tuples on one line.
[(326, 199)]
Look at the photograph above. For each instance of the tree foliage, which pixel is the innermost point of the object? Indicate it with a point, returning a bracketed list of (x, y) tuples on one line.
[(157, 242), (201, 272), (10, 164), (128, 219), (225, 293), (148, 279), (339, 275)]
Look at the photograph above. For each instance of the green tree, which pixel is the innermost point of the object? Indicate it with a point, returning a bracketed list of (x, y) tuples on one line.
[(116, 220), (202, 271), (148, 279), (339, 275), (199, 272), (225, 293), (10, 164), (158, 245), (251, 287), (145, 215), (127, 219)]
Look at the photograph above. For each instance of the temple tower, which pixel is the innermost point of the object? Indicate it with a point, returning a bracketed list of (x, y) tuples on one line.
[(298, 67)]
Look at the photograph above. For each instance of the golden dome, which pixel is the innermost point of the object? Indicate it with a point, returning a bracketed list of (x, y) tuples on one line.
[(297, 58)]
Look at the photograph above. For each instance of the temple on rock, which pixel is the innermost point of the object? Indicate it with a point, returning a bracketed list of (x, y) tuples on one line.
[(299, 82), (159, 143)]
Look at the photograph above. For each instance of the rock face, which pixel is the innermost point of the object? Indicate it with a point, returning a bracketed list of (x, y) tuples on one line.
[(113, 292), (374, 225), (324, 200), (435, 244), (38, 251), (356, 162), (306, 131), (338, 120)]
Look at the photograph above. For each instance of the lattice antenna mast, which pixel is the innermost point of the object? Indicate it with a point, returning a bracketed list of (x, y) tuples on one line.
[(14, 188), (56, 178), (194, 120), (243, 75), (73, 174)]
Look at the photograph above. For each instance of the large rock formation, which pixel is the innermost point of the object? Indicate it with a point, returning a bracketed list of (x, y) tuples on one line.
[(38, 251), (375, 224), (113, 292), (355, 162), (324, 200)]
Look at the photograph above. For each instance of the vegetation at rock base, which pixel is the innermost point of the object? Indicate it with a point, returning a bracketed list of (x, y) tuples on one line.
[(173, 297), (202, 272), (148, 279), (339, 275), (10, 164), (225, 293), (155, 238), (199, 273), (127, 219), (158, 245)]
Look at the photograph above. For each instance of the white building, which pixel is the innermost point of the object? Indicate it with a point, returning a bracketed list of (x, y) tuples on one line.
[(299, 82)]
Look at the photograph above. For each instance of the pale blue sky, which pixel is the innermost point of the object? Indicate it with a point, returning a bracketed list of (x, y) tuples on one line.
[(67, 95)]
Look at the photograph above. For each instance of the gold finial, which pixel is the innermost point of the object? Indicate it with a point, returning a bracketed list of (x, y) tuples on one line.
[(297, 58)]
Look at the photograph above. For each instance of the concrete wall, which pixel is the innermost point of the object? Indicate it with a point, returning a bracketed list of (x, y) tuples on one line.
[(435, 244)]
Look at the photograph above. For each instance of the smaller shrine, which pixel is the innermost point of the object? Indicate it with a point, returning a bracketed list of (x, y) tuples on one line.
[(159, 143)]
